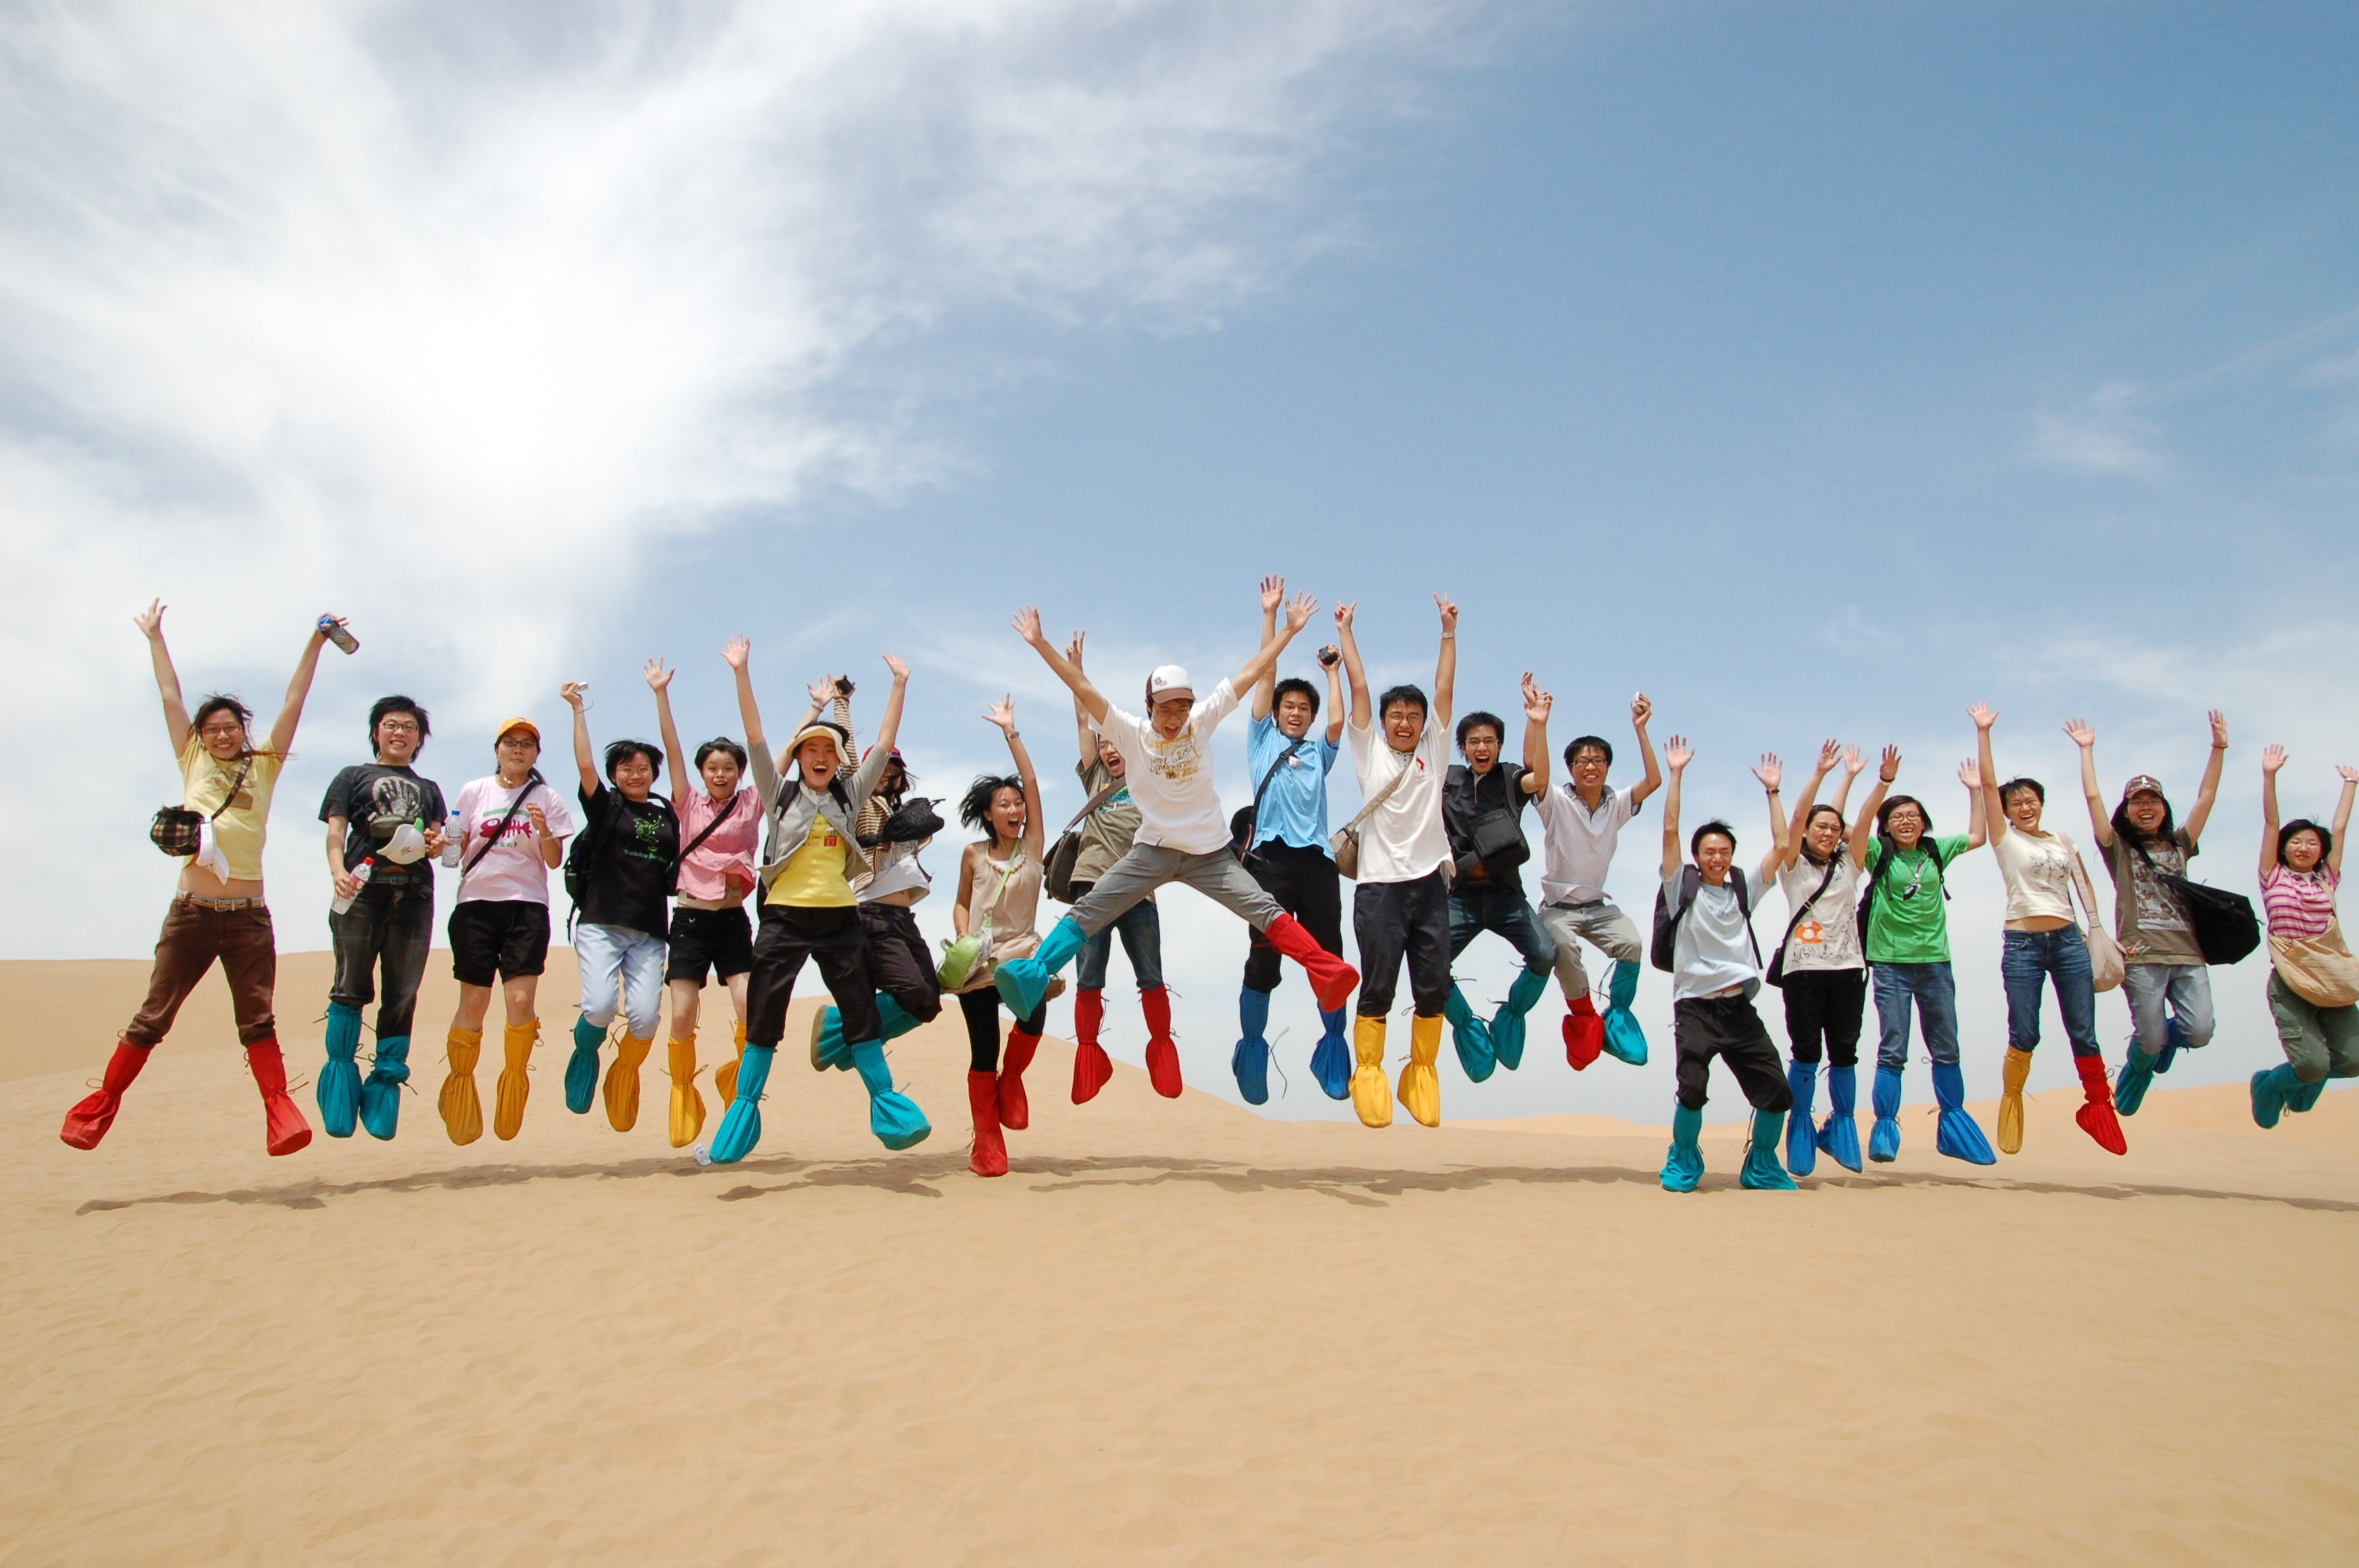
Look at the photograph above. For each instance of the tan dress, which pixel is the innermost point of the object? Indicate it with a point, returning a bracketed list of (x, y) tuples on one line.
[(1006, 896)]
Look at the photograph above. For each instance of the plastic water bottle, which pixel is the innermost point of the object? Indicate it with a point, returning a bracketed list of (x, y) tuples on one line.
[(450, 845), (334, 631), (361, 874)]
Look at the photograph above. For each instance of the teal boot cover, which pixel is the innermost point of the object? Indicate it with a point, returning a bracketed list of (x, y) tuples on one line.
[(340, 1080), (1625, 1042), (1470, 1036)]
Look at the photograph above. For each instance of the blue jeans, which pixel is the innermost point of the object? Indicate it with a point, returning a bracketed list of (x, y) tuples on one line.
[(1507, 912), (2159, 992), (1142, 938), (1935, 991), (2030, 958), (612, 955)]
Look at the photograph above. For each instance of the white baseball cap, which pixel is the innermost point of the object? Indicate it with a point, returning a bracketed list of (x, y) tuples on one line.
[(1169, 680)]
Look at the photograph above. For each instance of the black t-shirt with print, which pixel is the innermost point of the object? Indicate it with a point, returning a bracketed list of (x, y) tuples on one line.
[(632, 847), (1466, 796), (377, 799)]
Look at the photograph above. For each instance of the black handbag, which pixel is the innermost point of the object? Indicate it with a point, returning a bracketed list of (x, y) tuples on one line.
[(180, 832), (2226, 929), (913, 821)]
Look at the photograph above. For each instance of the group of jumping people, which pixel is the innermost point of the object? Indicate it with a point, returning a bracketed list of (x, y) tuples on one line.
[(826, 838)]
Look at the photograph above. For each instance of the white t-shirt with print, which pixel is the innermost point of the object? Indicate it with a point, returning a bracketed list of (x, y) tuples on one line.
[(1172, 781), (1828, 937), (512, 870), (2038, 874), (1714, 950), (1579, 843), (1403, 839)]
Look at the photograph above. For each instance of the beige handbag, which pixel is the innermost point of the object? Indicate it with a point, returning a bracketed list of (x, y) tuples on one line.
[(2320, 970), (2106, 965), (1345, 843)]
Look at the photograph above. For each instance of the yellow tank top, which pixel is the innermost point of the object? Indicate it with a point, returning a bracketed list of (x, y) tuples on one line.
[(814, 874)]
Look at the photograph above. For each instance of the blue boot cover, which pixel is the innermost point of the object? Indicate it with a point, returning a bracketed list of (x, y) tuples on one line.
[(894, 1117), (742, 1128), (581, 1067), (898, 1021), (1683, 1167), (2174, 1041), (1024, 982), (2138, 1072), (1762, 1172), (381, 1091), (2301, 1097), (1331, 1063), (340, 1080), (1838, 1135), (1884, 1138), (1960, 1136), (1801, 1149), (1507, 1027), (1625, 1042), (1250, 1060), (1471, 1035)]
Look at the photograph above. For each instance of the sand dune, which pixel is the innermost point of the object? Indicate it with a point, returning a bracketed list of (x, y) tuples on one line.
[(1177, 1334)]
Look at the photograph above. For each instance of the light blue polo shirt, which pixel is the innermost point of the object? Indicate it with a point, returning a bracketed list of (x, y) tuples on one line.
[(1294, 811)]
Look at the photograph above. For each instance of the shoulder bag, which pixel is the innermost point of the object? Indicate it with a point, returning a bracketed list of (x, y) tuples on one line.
[(1057, 871), (962, 953), (1248, 817), (179, 832), (500, 832), (2320, 970), (2226, 929), (2106, 964), (1345, 843)]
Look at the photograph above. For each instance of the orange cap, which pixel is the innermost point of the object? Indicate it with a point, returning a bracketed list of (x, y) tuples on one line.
[(519, 723)]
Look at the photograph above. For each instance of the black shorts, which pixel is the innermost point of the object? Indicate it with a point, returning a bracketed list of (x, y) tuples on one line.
[(492, 941), (717, 940)]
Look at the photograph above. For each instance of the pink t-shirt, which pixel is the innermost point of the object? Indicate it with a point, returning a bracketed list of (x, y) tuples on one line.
[(730, 849), (512, 870), (2299, 905)]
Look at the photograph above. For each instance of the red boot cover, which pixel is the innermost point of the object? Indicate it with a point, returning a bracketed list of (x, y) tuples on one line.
[(1015, 1111), (989, 1156), (87, 1123), (1584, 1034), (284, 1129), (2096, 1117), (1332, 981), (1162, 1055), (1088, 1013), (1091, 1068)]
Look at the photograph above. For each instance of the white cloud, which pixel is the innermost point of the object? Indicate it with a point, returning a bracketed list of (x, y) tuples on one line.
[(2105, 435)]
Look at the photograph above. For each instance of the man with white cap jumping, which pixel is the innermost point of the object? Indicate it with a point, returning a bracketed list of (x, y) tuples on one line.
[(1183, 835)]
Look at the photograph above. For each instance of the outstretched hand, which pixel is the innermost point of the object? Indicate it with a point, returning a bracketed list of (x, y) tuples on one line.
[(2346, 773), (2272, 758), (1028, 625), (1771, 772), (1273, 594), (1448, 607), (1538, 704), (1829, 753), (1970, 774), (658, 677), (1344, 610), (1676, 753), (1982, 714), (571, 691), (2219, 729), (150, 621), (2082, 733), (1003, 713), (1073, 649), (900, 671), (1852, 761), (1889, 769), (822, 691), (1299, 612), (737, 651)]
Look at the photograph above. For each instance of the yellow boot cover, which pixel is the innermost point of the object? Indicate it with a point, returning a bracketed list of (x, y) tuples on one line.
[(2010, 1100), (1420, 1085), (687, 1105), (1372, 1092), (507, 1116), (623, 1081), (725, 1078), (463, 1113)]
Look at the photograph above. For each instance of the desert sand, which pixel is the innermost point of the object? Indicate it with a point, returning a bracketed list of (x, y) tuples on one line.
[(1177, 1334)]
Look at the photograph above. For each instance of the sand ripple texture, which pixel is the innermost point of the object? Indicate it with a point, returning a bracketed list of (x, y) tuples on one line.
[(1176, 1335)]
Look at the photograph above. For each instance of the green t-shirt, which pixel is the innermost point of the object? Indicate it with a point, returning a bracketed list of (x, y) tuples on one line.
[(1906, 927)]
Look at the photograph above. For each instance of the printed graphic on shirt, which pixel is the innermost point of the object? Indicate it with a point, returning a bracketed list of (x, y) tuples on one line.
[(1178, 760)]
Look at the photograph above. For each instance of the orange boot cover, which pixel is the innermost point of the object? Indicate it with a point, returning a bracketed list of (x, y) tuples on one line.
[(463, 1113), (725, 1078), (622, 1089), (2011, 1079), (687, 1105), (516, 1044)]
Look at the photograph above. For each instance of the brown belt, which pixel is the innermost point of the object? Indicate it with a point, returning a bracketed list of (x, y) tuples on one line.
[(203, 903)]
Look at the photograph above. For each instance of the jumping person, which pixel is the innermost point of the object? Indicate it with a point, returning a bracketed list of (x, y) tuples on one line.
[(2043, 945), (1703, 936), (1483, 803), (809, 912), (1907, 931), (218, 913), (720, 828), (511, 829), (2314, 980), (1183, 835), (388, 922), (1400, 910), (627, 854), (999, 904), (2164, 978), (1106, 835), (1580, 823), (1289, 855)]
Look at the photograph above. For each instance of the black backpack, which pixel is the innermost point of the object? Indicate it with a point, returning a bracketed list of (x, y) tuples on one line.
[(1660, 951)]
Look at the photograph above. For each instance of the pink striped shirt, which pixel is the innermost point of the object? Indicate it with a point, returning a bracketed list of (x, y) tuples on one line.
[(2299, 905)]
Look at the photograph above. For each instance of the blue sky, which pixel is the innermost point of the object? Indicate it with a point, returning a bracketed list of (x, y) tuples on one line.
[(1817, 368)]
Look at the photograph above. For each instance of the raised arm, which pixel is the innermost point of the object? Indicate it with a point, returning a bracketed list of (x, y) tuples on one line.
[(1641, 710), (2273, 757), (1093, 702), (585, 761), (2101, 825), (1264, 664), (299, 688), (1970, 774), (1993, 814), (1362, 701), (1853, 762), (1771, 773), (1035, 829), (683, 772), (1677, 753), (1265, 690), (1334, 699), (2342, 816), (888, 727), (150, 622), (740, 654), (1445, 667), (1537, 705), (1887, 768), (2208, 793), (1790, 848), (1085, 735)]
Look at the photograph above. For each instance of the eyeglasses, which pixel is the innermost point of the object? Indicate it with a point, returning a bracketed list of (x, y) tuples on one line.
[(396, 727)]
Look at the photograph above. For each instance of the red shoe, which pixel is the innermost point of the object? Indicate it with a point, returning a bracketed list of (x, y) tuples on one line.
[(989, 1156), (1332, 981), (1015, 1111), (87, 1123), (1092, 1070), (1162, 1054), (1088, 1013), (285, 1130), (1585, 1033), (2096, 1117)]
